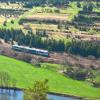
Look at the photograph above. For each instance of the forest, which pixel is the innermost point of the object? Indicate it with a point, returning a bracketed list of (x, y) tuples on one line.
[(83, 48)]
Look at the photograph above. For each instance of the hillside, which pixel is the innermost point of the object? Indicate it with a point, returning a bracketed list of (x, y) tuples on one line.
[(54, 25), (25, 75), (50, 41)]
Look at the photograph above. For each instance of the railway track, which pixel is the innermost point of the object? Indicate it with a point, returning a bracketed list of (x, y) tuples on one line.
[(60, 58)]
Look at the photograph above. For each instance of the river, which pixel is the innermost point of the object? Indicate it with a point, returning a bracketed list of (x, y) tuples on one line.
[(6, 94)]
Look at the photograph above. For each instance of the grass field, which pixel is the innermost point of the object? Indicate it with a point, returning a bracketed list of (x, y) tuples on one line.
[(66, 14), (97, 78), (44, 26), (26, 74), (2, 20), (45, 13), (10, 5)]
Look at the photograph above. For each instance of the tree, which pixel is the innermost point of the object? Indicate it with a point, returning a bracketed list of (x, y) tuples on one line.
[(91, 75), (5, 23), (38, 92), (88, 7), (78, 4), (30, 41), (4, 79), (12, 21)]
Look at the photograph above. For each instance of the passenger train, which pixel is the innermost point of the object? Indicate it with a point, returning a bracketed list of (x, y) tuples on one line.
[(30, 50)]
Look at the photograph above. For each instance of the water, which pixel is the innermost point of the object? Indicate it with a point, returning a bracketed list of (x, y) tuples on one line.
[(6, 94), (56, 97)]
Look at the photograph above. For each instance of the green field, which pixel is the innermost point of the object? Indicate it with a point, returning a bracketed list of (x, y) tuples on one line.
[(26, 74), (69, 14)]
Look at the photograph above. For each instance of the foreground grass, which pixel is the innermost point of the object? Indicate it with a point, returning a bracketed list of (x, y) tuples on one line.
[(26, 74)]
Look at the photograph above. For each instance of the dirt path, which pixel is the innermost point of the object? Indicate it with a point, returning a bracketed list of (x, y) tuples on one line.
[(76, 60)]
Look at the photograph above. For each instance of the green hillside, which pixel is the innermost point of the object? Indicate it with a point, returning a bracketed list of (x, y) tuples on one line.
[(26, 74)]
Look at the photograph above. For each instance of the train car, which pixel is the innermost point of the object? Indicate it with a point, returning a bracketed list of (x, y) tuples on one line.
[(30, 50)]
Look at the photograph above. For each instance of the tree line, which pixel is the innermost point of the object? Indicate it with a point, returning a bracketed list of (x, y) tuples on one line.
[(38, 2), (83, 48)]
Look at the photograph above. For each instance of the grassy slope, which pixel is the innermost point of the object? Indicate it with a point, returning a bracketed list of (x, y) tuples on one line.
[(97, 78), (26, 74), (71, 11)]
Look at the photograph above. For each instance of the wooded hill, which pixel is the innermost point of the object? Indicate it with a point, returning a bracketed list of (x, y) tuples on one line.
[(42, 2)]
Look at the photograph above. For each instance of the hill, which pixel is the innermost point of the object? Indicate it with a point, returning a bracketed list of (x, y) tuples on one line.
[(25, 74)]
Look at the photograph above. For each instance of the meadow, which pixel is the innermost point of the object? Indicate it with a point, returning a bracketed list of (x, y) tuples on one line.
[(26, 74)]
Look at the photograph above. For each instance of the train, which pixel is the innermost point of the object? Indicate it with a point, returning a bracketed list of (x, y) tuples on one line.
[(30, 50)]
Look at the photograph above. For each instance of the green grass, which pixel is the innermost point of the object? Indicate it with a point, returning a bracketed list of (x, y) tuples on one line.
[(97, 74), (52, 67), (26, 74), (10, 5), (71, 11)]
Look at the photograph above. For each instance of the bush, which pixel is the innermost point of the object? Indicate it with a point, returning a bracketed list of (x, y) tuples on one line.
[(38, 92), (12, 21), (78, 4), (76, 73), (5, 23), (96, 84), (88, 8)]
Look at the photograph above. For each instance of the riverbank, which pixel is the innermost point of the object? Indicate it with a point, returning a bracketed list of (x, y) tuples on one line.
[(19, 95), (66, 95), (50, 93)]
